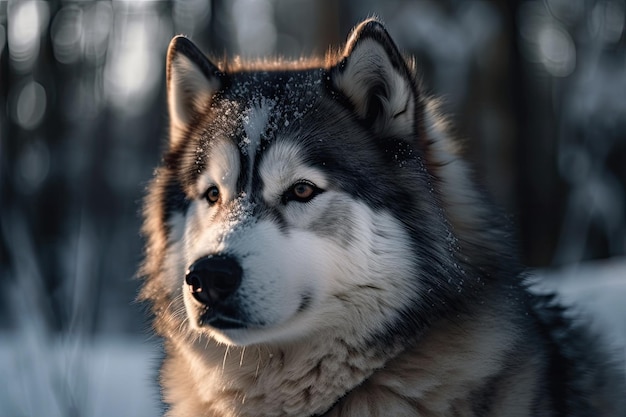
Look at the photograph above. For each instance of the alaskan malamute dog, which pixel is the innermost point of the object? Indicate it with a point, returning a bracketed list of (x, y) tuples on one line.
[(315, 247)]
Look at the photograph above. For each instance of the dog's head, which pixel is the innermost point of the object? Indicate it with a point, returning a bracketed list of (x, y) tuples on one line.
[(299, 198)]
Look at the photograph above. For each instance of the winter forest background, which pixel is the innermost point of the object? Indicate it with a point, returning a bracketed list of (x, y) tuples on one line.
[(537, 88)]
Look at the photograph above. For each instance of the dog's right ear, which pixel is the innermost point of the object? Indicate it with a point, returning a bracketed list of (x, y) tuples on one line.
[(192, 80)]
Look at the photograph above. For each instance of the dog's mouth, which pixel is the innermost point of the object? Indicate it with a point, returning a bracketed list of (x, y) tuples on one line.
[(232, 324), (221, 318), (221, 322), (225, 317)]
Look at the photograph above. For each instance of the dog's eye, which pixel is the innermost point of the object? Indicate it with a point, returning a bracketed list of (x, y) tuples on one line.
[(302, 191), (212, 195)]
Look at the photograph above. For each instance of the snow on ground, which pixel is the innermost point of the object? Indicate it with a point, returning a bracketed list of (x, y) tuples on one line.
[(596, 291), (116, 376), (66, 378)]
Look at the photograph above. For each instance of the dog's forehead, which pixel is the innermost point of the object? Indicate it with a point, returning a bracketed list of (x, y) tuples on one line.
[(272, 101), (289, 86), (273, 105), (258, 122)]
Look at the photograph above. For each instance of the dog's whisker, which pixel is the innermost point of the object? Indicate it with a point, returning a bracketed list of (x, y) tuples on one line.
[(258, 363), (225, 356), (243, 352)]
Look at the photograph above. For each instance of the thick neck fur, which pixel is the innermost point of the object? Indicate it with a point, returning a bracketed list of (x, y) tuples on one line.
[(295, 379), (312, 377)]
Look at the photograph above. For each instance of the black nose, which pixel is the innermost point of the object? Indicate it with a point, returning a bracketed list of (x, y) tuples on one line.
[(213, 278)]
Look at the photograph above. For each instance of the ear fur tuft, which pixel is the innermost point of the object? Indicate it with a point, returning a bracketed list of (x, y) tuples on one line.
[(192, 80), (376, 80)]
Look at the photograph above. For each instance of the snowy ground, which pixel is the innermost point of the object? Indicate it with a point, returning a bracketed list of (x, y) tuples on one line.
[(115, 376), (67, 378), (597, 290)]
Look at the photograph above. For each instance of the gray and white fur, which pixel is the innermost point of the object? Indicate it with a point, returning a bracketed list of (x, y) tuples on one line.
[(315, 246)]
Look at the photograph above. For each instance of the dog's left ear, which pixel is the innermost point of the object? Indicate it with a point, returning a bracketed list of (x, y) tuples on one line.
[(192, 81), (376, 80)]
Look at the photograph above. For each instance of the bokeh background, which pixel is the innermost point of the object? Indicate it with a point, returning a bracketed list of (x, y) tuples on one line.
[(537, 90)]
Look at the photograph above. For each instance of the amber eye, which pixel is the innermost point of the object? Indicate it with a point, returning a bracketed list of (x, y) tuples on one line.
[(212, 195), (302, 191)]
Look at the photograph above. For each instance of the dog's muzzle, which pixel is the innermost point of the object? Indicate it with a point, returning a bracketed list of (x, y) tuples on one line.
[(212, 279)]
